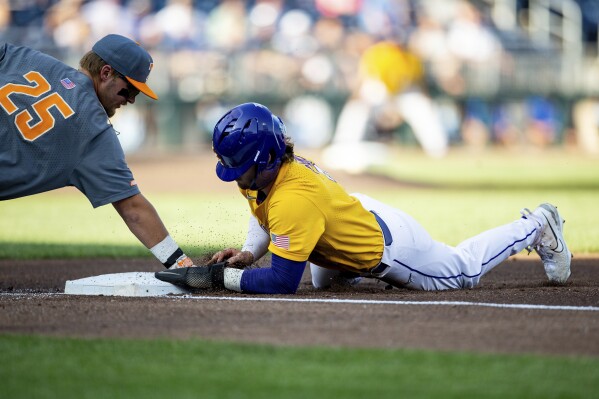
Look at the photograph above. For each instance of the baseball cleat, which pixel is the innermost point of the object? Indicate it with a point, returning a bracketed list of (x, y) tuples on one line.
[(551, 245)]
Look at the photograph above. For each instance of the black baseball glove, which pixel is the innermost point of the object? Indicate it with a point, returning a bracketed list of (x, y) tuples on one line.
[(198, 277)]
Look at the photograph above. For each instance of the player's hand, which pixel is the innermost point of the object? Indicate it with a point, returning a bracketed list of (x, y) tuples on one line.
[(183, 261), (233, 256)]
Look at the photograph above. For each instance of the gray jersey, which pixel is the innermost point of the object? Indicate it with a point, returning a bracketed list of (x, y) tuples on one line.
[(55, 133)]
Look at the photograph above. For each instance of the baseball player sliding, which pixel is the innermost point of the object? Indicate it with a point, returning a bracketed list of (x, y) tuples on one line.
[(55, 132), (301, 215)]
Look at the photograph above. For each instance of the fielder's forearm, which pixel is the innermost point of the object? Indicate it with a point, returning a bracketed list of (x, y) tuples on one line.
[(141, 218), (143, 221)]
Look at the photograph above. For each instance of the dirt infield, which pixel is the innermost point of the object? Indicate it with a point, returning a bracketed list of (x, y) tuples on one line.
[(32, 300)]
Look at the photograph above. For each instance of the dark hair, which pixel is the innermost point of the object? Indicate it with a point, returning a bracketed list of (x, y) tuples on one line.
[(288, 155)]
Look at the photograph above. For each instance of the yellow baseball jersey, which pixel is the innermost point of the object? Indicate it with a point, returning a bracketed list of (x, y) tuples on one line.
[(309, 216)]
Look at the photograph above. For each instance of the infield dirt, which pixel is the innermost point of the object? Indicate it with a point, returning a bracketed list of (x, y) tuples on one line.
[(31, 302)]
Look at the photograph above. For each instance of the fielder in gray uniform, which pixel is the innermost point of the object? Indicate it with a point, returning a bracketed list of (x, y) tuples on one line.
[(55, 132)]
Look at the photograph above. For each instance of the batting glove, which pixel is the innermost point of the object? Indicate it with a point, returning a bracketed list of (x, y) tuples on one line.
[(201, 277)]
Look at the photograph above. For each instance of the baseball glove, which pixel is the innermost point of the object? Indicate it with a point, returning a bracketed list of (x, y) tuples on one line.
[(198, 277)]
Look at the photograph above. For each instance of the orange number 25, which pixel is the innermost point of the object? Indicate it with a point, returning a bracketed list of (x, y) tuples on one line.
[(41, 107)]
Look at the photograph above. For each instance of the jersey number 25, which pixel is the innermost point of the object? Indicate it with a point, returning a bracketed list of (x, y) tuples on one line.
[(41, 107)]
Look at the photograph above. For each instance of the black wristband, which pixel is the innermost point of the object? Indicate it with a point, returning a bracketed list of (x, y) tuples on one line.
[(173, 258), (217, 275)]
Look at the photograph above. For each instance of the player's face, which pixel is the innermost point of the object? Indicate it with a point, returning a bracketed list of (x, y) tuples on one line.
[(245, 180), (130, 92), (116, 92)]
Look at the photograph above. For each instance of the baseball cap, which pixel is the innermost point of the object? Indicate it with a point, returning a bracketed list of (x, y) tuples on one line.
[(128, 58)]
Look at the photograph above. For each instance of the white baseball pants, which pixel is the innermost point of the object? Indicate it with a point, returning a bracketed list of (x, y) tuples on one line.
[(416, 261)]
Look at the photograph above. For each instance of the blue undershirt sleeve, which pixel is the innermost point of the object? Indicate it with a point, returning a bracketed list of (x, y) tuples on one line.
[(283, 277)]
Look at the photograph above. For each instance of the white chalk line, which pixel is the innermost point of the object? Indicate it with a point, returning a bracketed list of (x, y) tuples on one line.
[(344, 301), (391, 302)]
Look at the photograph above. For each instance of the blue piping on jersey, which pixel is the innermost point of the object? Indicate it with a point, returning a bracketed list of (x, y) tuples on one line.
[(463, 274)]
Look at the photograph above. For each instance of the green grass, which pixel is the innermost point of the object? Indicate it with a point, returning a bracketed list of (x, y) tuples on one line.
[(503, 170), (62, 224), (36, 367), (450, 216), (461, 195), (453, 198)]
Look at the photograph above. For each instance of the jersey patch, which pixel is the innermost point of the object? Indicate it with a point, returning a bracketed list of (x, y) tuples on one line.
[(67, 83), (280, 241)]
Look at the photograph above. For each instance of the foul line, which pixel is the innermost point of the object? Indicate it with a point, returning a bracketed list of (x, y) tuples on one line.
[(336, 301), (379, 302)]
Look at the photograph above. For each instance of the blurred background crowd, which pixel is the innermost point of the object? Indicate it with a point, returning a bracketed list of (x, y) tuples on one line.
[(431, 73)]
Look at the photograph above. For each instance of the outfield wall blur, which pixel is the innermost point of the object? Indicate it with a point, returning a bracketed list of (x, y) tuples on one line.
[(500, 72)]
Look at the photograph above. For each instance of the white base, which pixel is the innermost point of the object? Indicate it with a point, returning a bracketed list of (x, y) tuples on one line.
[(122, 284)]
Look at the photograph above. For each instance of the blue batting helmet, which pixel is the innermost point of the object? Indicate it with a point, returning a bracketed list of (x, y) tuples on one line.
[(248, 135)]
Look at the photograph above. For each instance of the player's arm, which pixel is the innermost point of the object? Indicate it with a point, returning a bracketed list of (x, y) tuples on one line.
[(306, 223), (142, 219), (282, 277), (145, 223), (255, 247), (287, 265)]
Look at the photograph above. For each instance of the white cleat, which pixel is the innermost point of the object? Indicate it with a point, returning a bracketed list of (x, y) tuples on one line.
[(551, 245)]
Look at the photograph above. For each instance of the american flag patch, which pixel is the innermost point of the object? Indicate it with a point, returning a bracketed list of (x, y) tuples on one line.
[(280, 241), (66, 82)]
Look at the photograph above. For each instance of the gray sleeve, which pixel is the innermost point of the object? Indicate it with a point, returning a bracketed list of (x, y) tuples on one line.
[(103, 175)]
